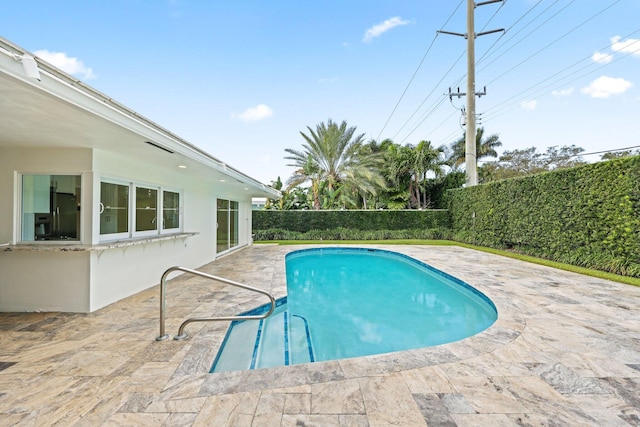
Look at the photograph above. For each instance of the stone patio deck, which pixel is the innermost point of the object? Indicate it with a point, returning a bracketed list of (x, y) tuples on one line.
[(565, 351)]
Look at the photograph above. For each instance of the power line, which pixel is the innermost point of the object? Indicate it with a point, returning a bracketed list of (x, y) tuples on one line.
[(523, 28), (425, 100), (543, 157), (438, 103), (424, 118), (554, 79), (606, 151), (508, 30), (501, 36), (555, 41), (416, 71), (503, 2), (521, 95)]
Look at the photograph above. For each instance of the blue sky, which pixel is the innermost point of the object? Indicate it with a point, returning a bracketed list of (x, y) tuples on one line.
[(242, 78)]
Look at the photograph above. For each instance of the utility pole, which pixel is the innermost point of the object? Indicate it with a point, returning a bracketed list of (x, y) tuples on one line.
[(470, 155)]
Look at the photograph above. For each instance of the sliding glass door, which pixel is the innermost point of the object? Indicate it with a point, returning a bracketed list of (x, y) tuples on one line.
[(227, 220)]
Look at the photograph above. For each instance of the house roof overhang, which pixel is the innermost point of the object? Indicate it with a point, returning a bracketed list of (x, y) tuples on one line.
[(60, 111)]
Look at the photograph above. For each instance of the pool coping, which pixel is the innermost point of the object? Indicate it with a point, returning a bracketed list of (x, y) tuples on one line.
[(508, 327)]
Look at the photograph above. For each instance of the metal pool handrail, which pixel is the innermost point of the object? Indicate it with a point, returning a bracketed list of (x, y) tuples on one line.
[(181, 335)]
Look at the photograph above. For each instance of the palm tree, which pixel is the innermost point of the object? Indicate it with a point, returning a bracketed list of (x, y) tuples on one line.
[(307, 171), (427, 158), (484, 148), (398, 169), (333, 156)]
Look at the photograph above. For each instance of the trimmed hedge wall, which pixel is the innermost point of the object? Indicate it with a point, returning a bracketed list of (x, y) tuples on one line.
[(341, 233), (304, 221), (587, 216), (351, 225)]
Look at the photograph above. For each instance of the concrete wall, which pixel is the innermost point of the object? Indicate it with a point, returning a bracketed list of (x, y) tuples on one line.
[(44, 281)]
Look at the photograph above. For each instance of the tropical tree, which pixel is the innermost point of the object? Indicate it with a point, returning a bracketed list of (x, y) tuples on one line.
[(409, 171), (619, 154), (485, 147), (528, 161), (398, 170), (426, 158), (332, 157)]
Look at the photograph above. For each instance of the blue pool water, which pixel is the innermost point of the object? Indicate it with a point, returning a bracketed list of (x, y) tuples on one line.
[(348, 302)]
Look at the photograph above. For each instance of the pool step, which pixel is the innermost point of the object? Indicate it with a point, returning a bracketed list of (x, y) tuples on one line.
[(301, 347), (281, 339)]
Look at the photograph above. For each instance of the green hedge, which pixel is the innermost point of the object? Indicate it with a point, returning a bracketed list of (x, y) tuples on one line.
[(341, 233), (587, 216), (366, 220)]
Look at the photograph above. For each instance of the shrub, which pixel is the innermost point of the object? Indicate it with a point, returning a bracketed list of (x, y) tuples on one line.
[(342, 233), (587, 216), (305, 220)]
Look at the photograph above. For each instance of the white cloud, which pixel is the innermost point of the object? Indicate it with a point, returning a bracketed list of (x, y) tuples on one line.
[(259, 112), (66, 63), (378, 30), (631, 46), (602, 58), (562, 92), (604, 87), (529, 105)]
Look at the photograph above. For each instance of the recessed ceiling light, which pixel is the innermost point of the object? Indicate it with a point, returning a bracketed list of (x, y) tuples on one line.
[(182, 166), (223, 180)]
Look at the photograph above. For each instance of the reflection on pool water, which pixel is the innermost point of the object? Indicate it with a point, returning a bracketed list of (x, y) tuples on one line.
[(348, 302)]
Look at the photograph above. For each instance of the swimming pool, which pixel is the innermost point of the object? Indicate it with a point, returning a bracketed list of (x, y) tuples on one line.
[(349, 302)]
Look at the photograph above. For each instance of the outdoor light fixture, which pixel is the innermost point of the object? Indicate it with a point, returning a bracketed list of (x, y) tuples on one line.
[(29, 64)]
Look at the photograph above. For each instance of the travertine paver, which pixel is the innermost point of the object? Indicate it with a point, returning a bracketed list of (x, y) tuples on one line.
[(565, 350)]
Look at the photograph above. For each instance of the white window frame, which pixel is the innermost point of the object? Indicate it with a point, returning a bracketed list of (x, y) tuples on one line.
[(164, 230), (155, 220), (132, 218), (228, 221), (115, 236), (19, 209)]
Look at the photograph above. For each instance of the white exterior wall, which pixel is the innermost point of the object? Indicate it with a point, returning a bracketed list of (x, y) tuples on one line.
[(84, 281), (42, 280), (45, 161)]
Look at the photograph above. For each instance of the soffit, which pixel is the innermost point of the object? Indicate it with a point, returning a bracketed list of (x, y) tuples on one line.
[(49, 113)]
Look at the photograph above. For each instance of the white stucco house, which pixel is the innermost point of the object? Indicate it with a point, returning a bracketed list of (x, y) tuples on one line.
[(96, 201)]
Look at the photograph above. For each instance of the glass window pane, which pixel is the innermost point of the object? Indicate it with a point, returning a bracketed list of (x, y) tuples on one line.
[(233, 226), (227, 232), (223, 204), (170, 209), (114, 208), (51, 207), (146, 209), (222, 231)]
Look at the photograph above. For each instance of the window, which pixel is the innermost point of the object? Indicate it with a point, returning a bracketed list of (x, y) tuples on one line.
[(114, 209), (146, 209), (170, 210), (50, 207), (227, 230), (119, 220)]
